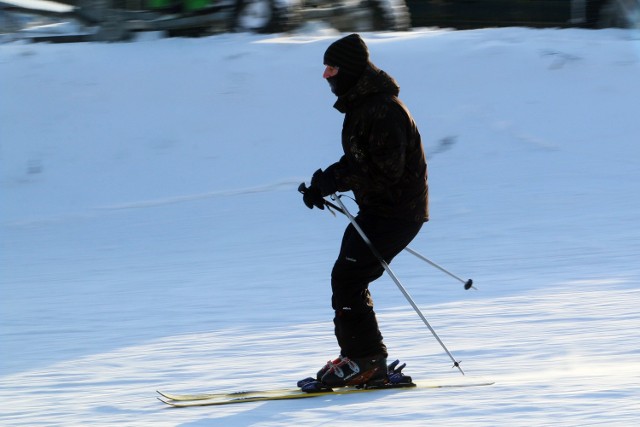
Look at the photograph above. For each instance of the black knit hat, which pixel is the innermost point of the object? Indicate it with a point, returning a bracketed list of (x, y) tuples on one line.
[(349, 54)]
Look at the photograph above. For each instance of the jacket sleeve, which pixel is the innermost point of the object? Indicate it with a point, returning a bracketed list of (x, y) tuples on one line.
[(340, 173)]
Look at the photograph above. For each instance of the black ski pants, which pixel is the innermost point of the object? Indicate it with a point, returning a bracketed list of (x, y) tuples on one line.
[(356, 326)]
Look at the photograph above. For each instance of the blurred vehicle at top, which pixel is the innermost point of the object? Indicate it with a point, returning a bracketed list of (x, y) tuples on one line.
[(116, 20)]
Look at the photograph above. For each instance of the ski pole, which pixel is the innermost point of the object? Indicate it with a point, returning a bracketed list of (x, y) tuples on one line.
[(468, 284), (385, 265)]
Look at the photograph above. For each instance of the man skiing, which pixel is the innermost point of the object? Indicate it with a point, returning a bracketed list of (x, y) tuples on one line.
[(385, 167)]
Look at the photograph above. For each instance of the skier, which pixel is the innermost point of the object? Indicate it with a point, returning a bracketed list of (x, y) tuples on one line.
[(385, 167)]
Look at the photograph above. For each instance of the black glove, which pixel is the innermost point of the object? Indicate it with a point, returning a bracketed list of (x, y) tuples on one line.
[(311, 196), (324, 182)]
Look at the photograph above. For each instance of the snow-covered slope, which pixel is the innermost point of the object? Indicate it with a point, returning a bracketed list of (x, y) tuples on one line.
[(152, 236)]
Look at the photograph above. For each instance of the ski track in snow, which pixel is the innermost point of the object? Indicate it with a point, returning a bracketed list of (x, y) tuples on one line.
[(281, 186)]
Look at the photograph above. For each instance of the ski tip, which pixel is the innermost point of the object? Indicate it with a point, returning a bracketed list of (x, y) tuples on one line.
[(169, 404), (165, 396)]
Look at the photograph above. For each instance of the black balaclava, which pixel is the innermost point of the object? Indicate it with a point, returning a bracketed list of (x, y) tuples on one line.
[(351, 56)]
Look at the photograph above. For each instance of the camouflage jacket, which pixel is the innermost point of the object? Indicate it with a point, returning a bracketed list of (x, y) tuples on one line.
[(383, 162)]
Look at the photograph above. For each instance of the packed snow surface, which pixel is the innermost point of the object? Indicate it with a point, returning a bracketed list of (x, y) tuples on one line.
[(152, 236)]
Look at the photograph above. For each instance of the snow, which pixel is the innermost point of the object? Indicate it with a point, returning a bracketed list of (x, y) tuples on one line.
[(51, 6), (153, 238)]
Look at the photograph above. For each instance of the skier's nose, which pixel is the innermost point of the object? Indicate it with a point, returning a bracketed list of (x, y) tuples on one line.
[(329, 71)]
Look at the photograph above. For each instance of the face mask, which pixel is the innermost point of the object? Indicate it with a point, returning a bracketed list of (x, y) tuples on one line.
[(333, 84), (341, 83)]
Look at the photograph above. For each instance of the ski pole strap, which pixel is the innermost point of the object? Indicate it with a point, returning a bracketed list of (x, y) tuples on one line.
[(303, 189)]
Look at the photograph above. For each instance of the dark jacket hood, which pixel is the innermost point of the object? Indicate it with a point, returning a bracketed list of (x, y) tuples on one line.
[(373, 81)]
